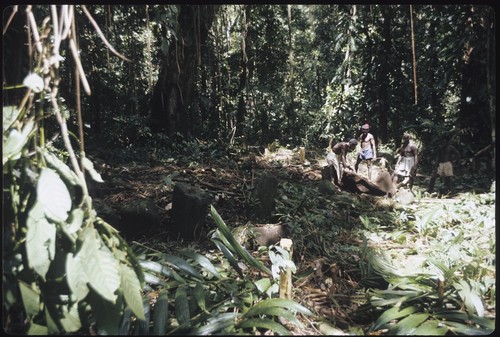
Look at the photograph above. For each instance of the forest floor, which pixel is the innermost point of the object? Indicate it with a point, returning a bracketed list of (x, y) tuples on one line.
[(327, 278)]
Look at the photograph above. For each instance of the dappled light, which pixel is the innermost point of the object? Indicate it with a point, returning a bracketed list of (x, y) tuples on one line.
[(239, 169)]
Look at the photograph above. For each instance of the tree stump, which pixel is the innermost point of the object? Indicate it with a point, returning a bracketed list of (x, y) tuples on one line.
[(138, 219), (190, 206), (269, 234), (264, 195)]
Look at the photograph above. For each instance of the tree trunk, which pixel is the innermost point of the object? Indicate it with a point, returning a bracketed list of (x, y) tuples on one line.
[(384, 78), (171, 105), (241, 112)]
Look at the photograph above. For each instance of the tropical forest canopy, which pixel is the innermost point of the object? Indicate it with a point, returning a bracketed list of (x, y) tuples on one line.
[(294, 74)]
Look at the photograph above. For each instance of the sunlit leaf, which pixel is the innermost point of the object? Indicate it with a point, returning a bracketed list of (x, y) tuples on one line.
[(30, 294), (10, 114), (54, 162), (409, 324), (53, 195), (76, 276), (182, 265), (392, 314), (263, 284), (229, 256), (264, 323), (242, 252), (470, 297), (40, 240), (12, 147), (34, 82), (216, 325), (431, 328), (69, 317), (101, 266), (278, 302), (89, 166), (131, 289), (202, 260)]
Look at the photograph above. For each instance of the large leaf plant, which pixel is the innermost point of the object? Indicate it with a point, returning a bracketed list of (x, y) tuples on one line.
[(66, 268)]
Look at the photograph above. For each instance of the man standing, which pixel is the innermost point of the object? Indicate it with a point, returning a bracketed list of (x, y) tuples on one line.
[(367, 150), (336, 159), (446, 154), (406, 165)]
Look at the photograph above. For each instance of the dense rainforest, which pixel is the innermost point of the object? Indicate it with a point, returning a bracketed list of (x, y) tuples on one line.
[(164, 169)]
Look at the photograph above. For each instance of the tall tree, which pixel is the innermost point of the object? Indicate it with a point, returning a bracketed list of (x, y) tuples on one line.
[(170, 105)]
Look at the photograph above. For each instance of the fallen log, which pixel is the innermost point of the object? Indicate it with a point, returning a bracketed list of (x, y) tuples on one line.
[(381, 186)]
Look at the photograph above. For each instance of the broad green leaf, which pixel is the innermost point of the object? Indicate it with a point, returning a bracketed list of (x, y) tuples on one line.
[(229, 256), (15, 142), (53, 195), (278, 302), (392, 314), (40, 241), (37, 330), (264, 323), (161, 314), (153, 279), (101, 266), (468, 330), (125, 322), (70, 318), (422, 224), (263, 284), (10, 114), (277, 312), (242, 252), (182, 312), (76, 276), (182, 265), (89, 166), (431, 328), (75, 221), (453, 315), (202, 260), (161, 269), (217, 324), (328, 330), (131, 289), (142, 326), (199, 295), (409, 324), (63, 169), (107, 314), (471, 299), (461, 316), (31, 298)]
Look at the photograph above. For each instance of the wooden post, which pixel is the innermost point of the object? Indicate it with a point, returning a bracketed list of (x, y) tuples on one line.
[(302, 154), (286, 275)]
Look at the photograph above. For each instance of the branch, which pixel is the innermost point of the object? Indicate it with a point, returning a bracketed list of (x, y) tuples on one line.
[(103, 38)]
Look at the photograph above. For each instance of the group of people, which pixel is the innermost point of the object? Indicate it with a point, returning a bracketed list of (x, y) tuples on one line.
[(406, 164)]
